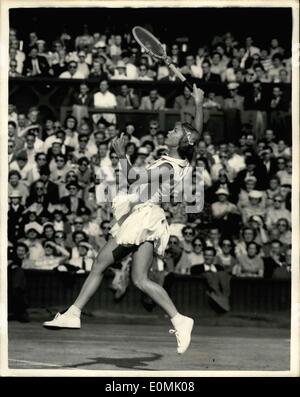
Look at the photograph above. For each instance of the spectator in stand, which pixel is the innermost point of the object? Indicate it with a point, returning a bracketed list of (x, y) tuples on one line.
[(105, 99), (186, 105), (282, 150), (127, 99), (251, 264), (279, 107), (207, 75), (285, 234), (15, 183), (225, 213), (35, 65), (285, 175), (176, 260), (119, 72), (188, 234), (260, 74), (82, 66), (19, 54), (226, 257), (72, 72), (33, 230), (143, 73), (234, 101), (13, 134), (256, 105), (277, 65), (217, 66), (98, 69), (247, 235), (171, 77), (274, 263), (196, 256), (73, 203), (250, 48), (153, 101), (255, 206), (222, 165), (50, 188), (218, 280), (13, 69), (276, 212), (83, 263), (213, 238), (230, 73), (22, 166)]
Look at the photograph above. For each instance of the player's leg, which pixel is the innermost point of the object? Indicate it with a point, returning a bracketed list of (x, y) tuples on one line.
[(109, 254), (142, 259)]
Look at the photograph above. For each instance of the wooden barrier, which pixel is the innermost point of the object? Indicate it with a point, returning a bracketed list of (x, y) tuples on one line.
[(248, 295)]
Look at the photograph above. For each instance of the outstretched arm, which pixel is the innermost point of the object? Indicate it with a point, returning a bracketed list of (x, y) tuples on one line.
[(198, 95)]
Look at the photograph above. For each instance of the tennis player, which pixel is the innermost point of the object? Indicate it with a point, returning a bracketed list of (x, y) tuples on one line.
[(141, 227)]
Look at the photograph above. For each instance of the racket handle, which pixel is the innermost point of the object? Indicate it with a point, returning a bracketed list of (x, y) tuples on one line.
[(181, 76)]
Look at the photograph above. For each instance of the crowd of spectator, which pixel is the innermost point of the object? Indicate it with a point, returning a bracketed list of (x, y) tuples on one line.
[(118, 57), (59, 213)]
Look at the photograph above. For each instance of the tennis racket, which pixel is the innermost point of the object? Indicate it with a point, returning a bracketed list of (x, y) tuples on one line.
[(155, 49)]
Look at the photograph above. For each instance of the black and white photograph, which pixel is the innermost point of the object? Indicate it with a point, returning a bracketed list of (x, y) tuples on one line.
[(150, 189)]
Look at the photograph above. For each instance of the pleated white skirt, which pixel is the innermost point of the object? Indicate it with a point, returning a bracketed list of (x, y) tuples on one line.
[(145, 222)]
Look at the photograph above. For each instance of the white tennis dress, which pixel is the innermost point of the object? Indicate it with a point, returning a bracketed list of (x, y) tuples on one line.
[(139, 222)]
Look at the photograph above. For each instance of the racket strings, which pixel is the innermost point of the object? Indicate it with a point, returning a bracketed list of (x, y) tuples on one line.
[(149, 42)]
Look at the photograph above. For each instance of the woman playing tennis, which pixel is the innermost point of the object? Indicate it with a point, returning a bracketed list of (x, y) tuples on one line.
[(141, 227)]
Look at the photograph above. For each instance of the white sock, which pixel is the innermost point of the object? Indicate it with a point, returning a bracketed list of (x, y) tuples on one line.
[(177, 319), (73, 311)]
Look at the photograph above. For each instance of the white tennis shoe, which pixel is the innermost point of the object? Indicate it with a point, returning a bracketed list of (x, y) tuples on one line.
[(63, 321), (183, 334)]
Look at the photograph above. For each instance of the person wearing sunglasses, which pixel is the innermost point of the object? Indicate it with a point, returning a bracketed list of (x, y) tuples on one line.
[(188, 235), (196, 256), (226, 257), (72, 72), (276, 212)]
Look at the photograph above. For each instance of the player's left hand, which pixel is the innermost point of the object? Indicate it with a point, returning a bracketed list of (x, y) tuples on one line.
[(119, 145), (198, 95)]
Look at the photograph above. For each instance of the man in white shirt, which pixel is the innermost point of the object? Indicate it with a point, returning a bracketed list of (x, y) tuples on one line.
[(105, 99), (72, 72)]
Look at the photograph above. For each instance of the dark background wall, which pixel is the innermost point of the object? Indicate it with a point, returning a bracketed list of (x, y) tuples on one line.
[(199, 24)]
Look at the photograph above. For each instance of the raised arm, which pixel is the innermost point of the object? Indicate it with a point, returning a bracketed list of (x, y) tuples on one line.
[(198, 95)]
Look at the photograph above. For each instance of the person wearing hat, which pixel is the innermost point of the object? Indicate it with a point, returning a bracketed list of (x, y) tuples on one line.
[(250, 184), (33, 231), (254, 207), (50, 188), (73, 203), (225, 214), (15, 221), (119, 71), (83, 262), (277, 211), (141, 159)]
